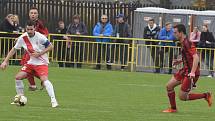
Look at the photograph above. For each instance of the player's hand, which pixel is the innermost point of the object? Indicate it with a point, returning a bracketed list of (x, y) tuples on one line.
[(191, 75), (3, 65), (35, 54)]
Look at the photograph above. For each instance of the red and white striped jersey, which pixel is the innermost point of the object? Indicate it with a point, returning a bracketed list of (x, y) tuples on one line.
[(32, 44)]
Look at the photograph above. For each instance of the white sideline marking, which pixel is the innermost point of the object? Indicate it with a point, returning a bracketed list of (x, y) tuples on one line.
[(141, 85)]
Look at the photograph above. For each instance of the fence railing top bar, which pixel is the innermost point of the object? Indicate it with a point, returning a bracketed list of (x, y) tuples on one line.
[(85, 36), (117, 38)]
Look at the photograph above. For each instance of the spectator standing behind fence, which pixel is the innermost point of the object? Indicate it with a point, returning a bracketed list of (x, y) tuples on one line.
[(11, 25), (166, 33), (195, 36), (61, 46), (76, 28), (207, 41), (7, 25), (122, 29), (151, 31), (16, 24), (103, 29)]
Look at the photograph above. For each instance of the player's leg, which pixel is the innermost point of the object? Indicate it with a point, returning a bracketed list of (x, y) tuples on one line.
[(32, 84), (30, 78), (185, 94), (171, 94), (19, 83), (42, 72)]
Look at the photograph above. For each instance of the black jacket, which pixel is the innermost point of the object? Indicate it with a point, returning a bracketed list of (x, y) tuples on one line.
[(124, 30), (81, 28), (151, 34), (5, 26), (206, 36)]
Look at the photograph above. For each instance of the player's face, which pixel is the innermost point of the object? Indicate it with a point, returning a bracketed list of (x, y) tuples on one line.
[(176, 33), (30, 30), (33, 14)]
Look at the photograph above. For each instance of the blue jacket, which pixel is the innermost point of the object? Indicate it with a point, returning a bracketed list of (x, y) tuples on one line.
[(166, 35), (108, 30)]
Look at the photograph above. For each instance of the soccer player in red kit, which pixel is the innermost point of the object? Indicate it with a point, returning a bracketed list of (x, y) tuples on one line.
[(188, 75), (33, 15)]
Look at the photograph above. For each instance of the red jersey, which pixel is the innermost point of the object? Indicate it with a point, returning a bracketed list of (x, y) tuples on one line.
[(188, 50), (41, 28)]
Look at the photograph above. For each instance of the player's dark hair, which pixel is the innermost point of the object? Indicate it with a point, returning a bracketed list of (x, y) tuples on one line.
[(181, 28), (30, 23), (34, 8)]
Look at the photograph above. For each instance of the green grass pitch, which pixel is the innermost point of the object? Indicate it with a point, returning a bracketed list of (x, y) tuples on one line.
[(90, 95)]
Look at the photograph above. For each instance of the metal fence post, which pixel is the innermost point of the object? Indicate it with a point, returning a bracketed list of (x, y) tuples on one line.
[(133, 65)]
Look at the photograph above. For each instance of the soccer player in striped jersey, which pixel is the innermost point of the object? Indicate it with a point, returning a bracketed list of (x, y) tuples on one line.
[(37, 46), (39, 27), (188, 75)]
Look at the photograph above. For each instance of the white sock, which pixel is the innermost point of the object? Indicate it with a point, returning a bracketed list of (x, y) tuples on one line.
[(49, 87), (19, 87)]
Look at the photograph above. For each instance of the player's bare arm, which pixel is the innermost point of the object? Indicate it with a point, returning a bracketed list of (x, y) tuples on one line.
[(9, 55), (37, 54), (195, 65)]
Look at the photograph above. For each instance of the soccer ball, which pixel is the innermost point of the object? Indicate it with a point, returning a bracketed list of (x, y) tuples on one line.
[(20, 100)]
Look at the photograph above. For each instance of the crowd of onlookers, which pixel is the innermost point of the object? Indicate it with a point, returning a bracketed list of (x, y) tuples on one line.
[(201, 39), (104, 28)]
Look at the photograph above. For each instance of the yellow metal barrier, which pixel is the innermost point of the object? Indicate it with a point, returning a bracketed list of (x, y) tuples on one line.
[(133, 54), (6, 43)]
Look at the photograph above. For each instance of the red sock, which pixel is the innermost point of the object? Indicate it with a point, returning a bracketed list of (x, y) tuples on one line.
[(31, 80), (196, 96), (172, 101)]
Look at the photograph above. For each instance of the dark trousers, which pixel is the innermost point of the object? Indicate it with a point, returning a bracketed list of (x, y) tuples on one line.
[(103, 50), (155, 57), (210, 59), (61, 49), (75, 55), (123, 55), (161, 58)]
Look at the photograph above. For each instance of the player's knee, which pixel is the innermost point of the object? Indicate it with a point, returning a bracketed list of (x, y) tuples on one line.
[(182, 97), (18, 77), (43, 78), (169, 87)]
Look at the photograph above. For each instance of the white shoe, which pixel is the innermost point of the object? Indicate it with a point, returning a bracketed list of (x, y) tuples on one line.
[(13, 103), (54, 104), (210, 76)]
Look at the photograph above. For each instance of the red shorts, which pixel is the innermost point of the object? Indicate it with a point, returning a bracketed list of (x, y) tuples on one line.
[(186, 82), (38, 70), (25, 59)]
